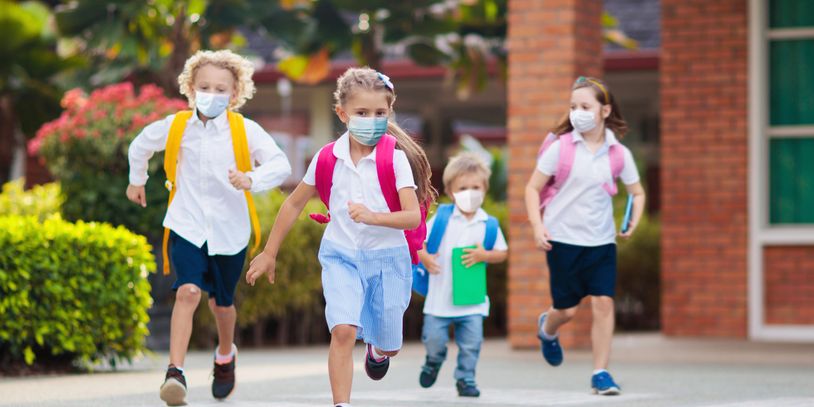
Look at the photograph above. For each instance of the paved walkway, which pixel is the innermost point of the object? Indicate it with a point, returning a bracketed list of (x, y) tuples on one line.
[(652, 370)]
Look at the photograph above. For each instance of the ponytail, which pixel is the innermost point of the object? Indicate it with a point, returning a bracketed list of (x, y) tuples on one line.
[(422, 172)]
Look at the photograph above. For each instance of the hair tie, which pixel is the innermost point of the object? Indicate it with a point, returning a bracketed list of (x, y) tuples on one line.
[(386, 79)]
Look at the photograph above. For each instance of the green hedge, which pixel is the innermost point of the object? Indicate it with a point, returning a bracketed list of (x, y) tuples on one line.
[(41, 201), (75, 292)]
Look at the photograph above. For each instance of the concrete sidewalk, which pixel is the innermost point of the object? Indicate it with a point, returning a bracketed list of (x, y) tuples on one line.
[(652, 370)]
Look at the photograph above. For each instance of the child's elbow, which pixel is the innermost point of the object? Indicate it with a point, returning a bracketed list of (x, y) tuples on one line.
[(414, 220)]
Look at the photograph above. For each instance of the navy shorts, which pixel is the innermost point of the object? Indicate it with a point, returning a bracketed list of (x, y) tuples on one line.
[(578, 271), (218, 275)]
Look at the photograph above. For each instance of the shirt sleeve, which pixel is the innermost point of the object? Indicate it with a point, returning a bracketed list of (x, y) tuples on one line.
[(630, 174), (404, 174), (548, 161), (272, 165), (152, 139), (310, 177), (500, 242)]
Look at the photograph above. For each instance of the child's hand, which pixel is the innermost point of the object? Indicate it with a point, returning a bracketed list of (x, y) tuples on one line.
[(630, 228), (137, 195), (474, 256), (430, 262), (360, 214), (239, 180), (262, 264), (542, 237)]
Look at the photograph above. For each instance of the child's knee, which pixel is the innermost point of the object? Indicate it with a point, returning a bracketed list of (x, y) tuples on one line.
[(602, 306), (567, 314), (221, 312), (188, 295), (344, 334)]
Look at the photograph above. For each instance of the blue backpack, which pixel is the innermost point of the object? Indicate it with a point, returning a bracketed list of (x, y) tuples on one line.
[(421, 277)]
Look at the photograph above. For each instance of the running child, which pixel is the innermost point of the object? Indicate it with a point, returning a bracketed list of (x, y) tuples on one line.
[(375, 180), (461, 224), (214, 159), (576, 175)]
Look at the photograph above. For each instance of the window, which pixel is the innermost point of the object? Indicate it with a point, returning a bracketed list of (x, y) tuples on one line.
[(791, 111)]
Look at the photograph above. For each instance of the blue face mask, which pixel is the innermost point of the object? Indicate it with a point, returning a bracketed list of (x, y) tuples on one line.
[(367, 130), (211, 105)]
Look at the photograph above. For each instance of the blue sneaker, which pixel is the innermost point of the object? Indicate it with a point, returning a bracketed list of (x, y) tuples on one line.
[(602, 383), (552, 352)]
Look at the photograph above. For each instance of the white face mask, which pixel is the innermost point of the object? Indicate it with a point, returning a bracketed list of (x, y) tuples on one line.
[(583, 120), (211, 105), (468, 200)]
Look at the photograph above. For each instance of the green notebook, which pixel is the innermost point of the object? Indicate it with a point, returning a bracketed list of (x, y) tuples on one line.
[(468, 284)]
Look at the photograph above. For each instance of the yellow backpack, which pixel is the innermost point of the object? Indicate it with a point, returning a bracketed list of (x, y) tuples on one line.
[(240, 145)]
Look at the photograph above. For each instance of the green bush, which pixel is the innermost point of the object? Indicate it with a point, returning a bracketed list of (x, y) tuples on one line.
[(86, 150), (75, 292), (638, 292), (41, 201), (638, 280), (296, 296)]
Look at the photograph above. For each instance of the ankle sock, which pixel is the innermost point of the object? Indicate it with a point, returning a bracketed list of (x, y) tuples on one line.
[(224, 359)]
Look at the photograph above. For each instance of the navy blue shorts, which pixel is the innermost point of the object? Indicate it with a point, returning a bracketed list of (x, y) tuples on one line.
[(578, 271), (218, 275)]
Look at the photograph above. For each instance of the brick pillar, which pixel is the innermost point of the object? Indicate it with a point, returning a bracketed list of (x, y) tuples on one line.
[(704, 141), (551, 43)]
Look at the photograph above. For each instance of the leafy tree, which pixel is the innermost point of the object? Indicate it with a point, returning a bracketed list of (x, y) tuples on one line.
[(29, 74)]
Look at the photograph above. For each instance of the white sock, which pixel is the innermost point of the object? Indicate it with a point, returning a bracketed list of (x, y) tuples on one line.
[(343, 405), (545, 335), (225, 358), (598, 371), (375, 353)]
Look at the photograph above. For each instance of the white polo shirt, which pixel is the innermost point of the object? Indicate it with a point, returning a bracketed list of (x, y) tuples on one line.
[(581, 213), (360, 184), (460, 232), (206, 207)]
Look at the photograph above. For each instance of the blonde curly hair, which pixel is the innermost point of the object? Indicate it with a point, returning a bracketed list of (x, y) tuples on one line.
[(240, 67)]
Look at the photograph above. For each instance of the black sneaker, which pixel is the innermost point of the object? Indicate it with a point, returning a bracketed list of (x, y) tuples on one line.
[(375, 369), (429, 372), (224, 379), (174, 390), (467, 388)]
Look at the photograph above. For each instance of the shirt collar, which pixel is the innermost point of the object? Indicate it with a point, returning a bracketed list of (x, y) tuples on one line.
[(221, 121), (480, 215), (610, 138), (342, 149)]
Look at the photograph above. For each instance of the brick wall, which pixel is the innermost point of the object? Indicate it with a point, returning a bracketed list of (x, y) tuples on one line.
[(704, 142), (551, 42), (789, 285)]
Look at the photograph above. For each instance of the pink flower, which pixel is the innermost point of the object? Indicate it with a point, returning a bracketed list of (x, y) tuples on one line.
[(73, 99)]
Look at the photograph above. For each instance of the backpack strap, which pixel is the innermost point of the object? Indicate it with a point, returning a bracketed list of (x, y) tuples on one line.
[(439, 226), (324, 179), (549, 140), (616, 156), (386, 171), (564, 165), (243, 159), (171, 152), (490, 237)]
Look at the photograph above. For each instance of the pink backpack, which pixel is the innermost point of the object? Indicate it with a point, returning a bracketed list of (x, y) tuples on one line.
[(326, 163), (566, 161)]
